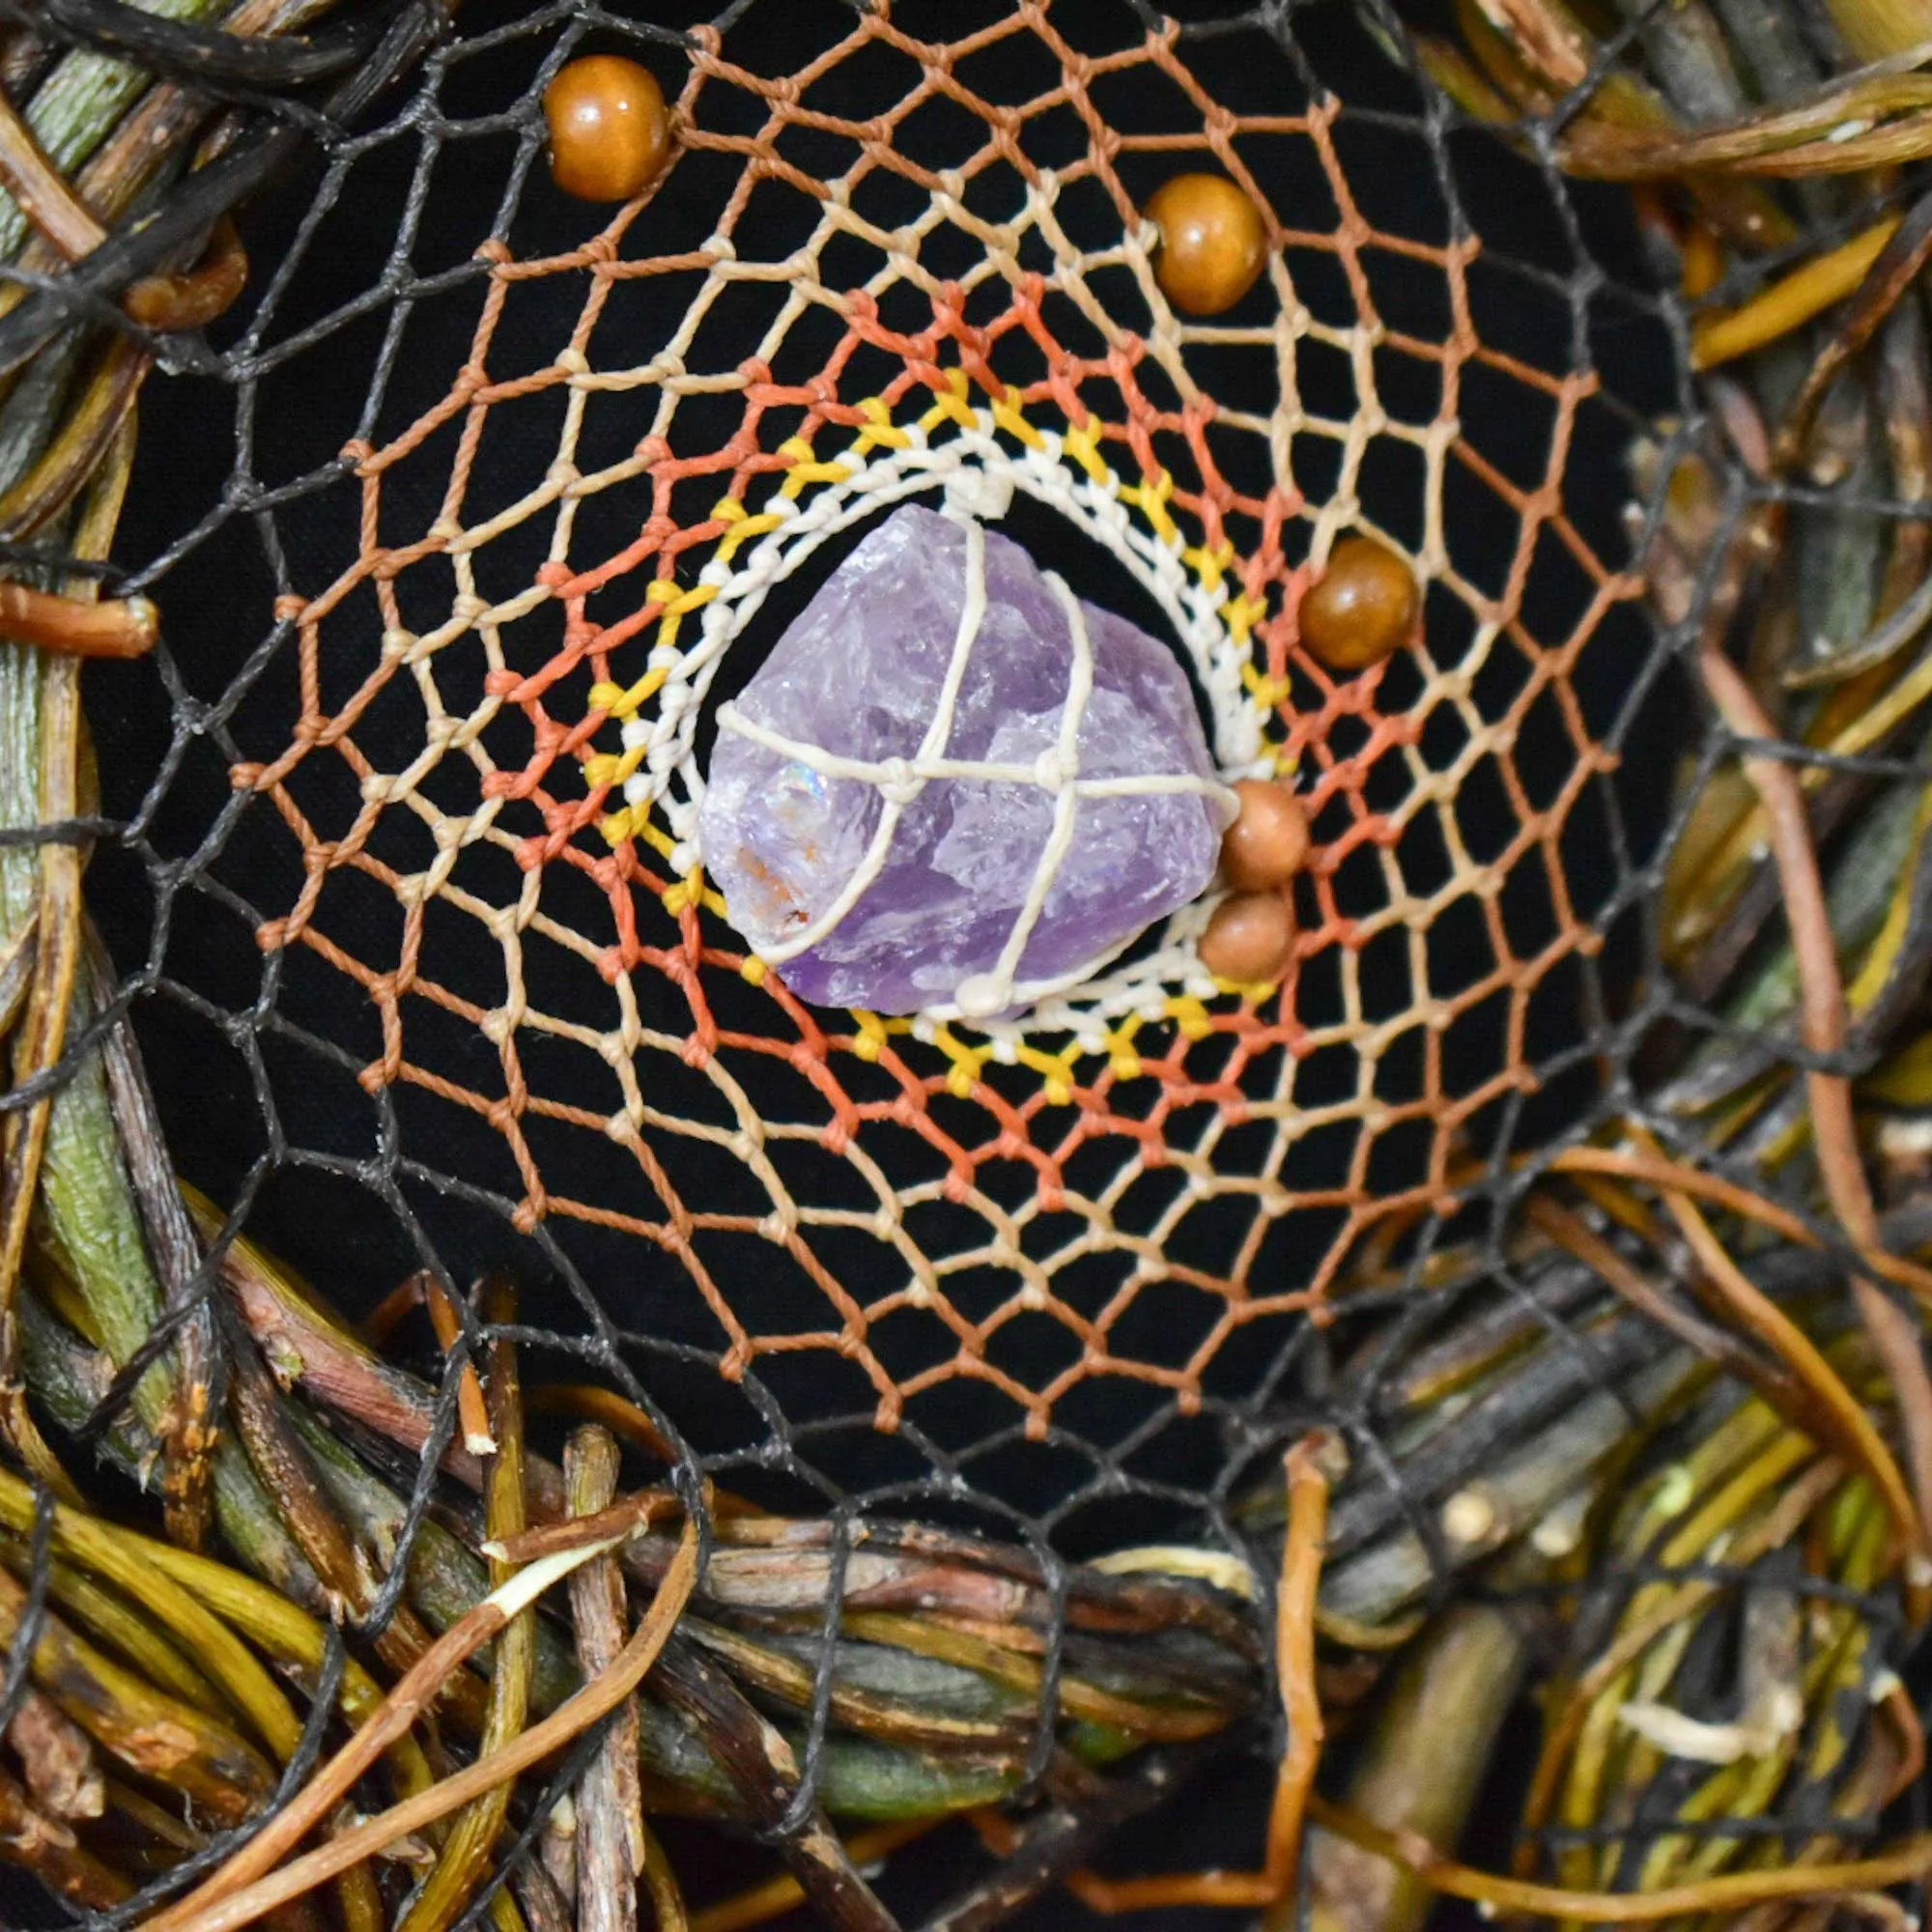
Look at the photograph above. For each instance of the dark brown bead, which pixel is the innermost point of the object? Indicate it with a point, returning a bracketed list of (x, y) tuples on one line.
[(609, 133), (1268, 840), (1249, 937), (1364, 605), (1213, 244)]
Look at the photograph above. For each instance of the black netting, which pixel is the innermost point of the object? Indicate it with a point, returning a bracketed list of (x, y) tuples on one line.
[(398, 906)]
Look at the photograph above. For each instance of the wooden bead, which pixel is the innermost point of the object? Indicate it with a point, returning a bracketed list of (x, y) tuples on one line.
[(1268, 841), (1213, 244), (1364, 605), (1249, 937), (609, 133)]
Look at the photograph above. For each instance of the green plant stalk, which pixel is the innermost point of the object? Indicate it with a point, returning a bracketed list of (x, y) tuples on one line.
[(78, 104), (1874, 29), (87, 1226), (862, 1781), (144, 1728), (1422, 1765), (112, 1621), (21, 669)]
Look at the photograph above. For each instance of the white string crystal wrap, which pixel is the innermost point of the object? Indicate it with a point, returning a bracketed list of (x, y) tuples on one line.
[(976, 471)]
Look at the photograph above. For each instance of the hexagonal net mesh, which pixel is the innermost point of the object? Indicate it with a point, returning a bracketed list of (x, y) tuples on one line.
[(481, 729)]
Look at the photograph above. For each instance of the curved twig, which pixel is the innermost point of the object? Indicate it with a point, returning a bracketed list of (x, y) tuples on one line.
[(1822, 1005)]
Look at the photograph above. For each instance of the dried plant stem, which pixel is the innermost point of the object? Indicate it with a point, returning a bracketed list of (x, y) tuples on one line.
[(1894, 1333), (1907, 1864), (47, 1848), (282, 1629), (101, 413), (661, 1882), (764, 1774), (471, 1410), (541, 1897), (1423, 1763), (1308, 1477), (289, 1474), (128, 1561), (1003, 1665), (144, 1728), (59, 216), (56, 1757), (1049, 1847), (196, 297), (192, 1421), (1307, 1469), (1832, 1411), (1545, 1212), (635, 1512), (57, 941), (1876, 28), (466, 1854), (335, 1366), (1884, 285), (611, 1849), (1781, 1463), (177, 1583), (1791, 301), (109, 1618), (622, 1418), (228, 1900), (1660, 1171), (117, 628)]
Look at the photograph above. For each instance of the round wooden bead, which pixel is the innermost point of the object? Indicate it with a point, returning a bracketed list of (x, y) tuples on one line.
[(1213, 244), (609, 133), (1364, 605), (1268, 840), (1249, 937)]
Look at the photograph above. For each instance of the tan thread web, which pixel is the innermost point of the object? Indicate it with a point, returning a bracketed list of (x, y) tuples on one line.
[(1173, 1159)]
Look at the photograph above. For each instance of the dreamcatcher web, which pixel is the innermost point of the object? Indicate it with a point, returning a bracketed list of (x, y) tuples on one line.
[(504, 535)]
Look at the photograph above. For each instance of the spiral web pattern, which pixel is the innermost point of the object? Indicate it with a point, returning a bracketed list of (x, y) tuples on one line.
[(462, 748)]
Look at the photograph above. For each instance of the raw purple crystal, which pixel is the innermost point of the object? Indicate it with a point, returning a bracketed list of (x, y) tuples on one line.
[(861, 674)]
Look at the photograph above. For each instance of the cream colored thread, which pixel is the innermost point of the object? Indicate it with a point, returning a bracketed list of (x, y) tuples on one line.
[(984, 995), (899, 781), (894, 475), (885, 773)]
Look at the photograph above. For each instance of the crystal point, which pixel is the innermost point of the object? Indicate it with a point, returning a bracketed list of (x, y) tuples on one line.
[(861, 675)]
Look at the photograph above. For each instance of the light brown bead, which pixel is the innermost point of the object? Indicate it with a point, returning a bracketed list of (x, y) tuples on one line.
[(1249, 937), (1364, 605), (1268, 840), (1213, 244), (609, 133)]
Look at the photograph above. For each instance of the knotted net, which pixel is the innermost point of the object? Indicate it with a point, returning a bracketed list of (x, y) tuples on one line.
[(469, 520), (464, 744)]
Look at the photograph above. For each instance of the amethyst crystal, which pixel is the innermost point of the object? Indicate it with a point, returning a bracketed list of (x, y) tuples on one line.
[(861, 674)]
